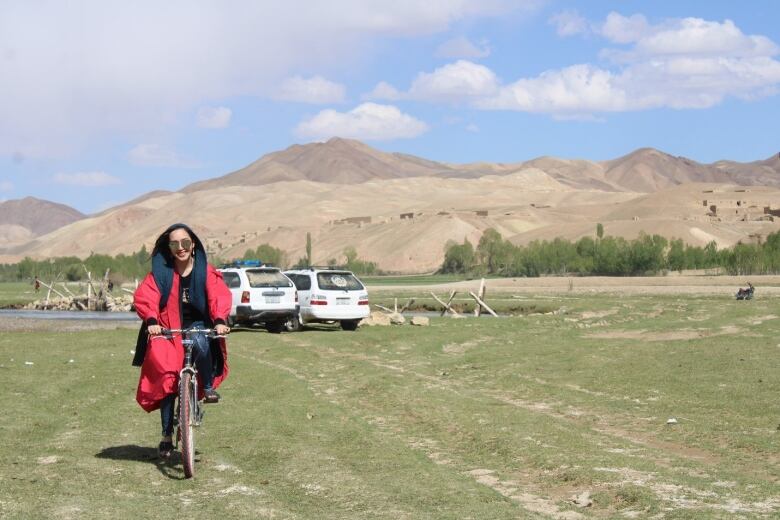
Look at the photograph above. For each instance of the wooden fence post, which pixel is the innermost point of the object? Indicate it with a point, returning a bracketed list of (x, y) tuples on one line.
[(447, 306)]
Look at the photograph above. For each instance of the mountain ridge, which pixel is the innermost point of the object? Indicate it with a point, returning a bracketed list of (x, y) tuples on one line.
[(347, 161), (400, 210), (38, 216)]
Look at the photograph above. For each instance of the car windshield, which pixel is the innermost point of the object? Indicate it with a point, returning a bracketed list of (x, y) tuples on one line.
[(267, 278), (338, 282)]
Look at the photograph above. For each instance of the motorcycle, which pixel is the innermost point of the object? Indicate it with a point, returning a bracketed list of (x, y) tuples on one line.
[(747, 293)]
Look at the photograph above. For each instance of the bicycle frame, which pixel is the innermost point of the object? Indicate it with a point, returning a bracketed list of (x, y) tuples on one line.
[(190, 368), (190, 409)]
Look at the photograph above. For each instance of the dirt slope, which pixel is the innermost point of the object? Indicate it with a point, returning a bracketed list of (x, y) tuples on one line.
[(400, 211), (37, 216)]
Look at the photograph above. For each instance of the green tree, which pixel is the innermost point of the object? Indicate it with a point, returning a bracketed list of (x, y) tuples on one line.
[(356, 265), (494, 254), (586, 251), (711, 254), (267, 254), (676, 257), (458, 258), (350, 253)]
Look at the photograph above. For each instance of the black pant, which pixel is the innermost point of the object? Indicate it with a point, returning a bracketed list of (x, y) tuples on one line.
[(201, 353)]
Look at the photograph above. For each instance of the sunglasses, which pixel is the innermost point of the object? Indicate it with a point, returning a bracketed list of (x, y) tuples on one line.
[(184, 243)]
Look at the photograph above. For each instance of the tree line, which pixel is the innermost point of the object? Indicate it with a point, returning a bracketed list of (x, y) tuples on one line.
[(72, 269), (135, 265), (606, 256), (493, 255)]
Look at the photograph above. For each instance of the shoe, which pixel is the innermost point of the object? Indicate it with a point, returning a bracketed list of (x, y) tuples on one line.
[(166, 449), (211, 396)]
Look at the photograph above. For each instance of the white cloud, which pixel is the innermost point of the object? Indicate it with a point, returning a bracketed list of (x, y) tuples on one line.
[(159, 156), (454, 82), (214, 117), (694, 36), (6, 186), (462, 47), (624, 29), (579, 88), (87, 179), (369, 121), (682, 64), (384, 90), (316, 90), (472, 128), (695, 82), (128, 68), (569, 22)]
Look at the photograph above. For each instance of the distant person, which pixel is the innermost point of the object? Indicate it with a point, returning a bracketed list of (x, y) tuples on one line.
[(181, 291), (110, 286), (37, 284)]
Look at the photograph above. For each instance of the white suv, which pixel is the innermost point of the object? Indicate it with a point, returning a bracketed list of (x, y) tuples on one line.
[(261, 294), (329, 295)]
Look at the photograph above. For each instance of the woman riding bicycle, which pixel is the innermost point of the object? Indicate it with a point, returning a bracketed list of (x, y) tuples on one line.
[(181, 291)]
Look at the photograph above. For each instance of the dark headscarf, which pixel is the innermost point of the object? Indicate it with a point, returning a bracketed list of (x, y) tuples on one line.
[(162, 270), (163, 266)]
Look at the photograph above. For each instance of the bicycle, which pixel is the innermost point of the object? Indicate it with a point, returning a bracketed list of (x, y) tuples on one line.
[(190, 409)]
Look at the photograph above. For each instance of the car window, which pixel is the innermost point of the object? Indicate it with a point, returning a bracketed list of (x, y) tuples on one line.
[(232, 280), (302, 282), (338, 282), (265, 278)]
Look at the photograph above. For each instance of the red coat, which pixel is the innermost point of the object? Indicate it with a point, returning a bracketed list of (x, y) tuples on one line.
[(165, 357)]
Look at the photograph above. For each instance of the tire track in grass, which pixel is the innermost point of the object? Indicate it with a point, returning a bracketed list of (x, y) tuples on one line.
[(549, 409), (321, 387), (682, 452), (529, 502)]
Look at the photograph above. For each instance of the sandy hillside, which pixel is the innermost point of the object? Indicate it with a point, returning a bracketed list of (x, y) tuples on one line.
[(23, 219), (401, 211), (525, 205)]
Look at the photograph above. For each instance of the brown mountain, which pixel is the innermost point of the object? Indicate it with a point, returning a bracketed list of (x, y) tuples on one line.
[(346, 161), (400, 211), (36, 215), (575, 173), (337, 161), (766, 172), (648, 170)]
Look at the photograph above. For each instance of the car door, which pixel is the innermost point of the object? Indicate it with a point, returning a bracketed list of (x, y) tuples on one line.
[(233, 282), (303, 285)]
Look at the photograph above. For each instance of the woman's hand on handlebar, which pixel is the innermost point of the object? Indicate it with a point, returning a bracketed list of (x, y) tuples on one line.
[(154, 330), (221, 329)]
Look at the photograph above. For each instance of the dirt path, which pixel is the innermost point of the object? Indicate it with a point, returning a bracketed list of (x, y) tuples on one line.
[(527, 495), (11, 324), (668, 285)]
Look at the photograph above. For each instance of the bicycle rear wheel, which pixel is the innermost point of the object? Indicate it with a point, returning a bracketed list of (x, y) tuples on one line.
[(187, 404)]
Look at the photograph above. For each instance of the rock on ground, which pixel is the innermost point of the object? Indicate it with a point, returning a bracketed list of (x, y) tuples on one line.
[(376, 319), (421, 321)]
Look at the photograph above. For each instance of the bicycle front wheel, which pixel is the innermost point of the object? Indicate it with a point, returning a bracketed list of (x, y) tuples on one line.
[(187, 417)]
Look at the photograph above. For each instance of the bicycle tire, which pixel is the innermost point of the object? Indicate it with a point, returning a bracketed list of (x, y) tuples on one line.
[(187, 404)]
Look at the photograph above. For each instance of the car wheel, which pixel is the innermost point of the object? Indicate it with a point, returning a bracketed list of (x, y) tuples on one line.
[(274, 327), (293, 324), (349, 324)]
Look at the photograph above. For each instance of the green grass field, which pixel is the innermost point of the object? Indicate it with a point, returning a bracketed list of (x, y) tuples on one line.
[(420, 301), (474, 418), (14, 294)]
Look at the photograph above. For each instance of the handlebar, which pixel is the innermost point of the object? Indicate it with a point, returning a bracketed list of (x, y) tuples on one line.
[(169, 333), (193, 329)]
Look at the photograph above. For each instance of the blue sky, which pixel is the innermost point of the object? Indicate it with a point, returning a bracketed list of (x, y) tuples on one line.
[(102, 101)]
